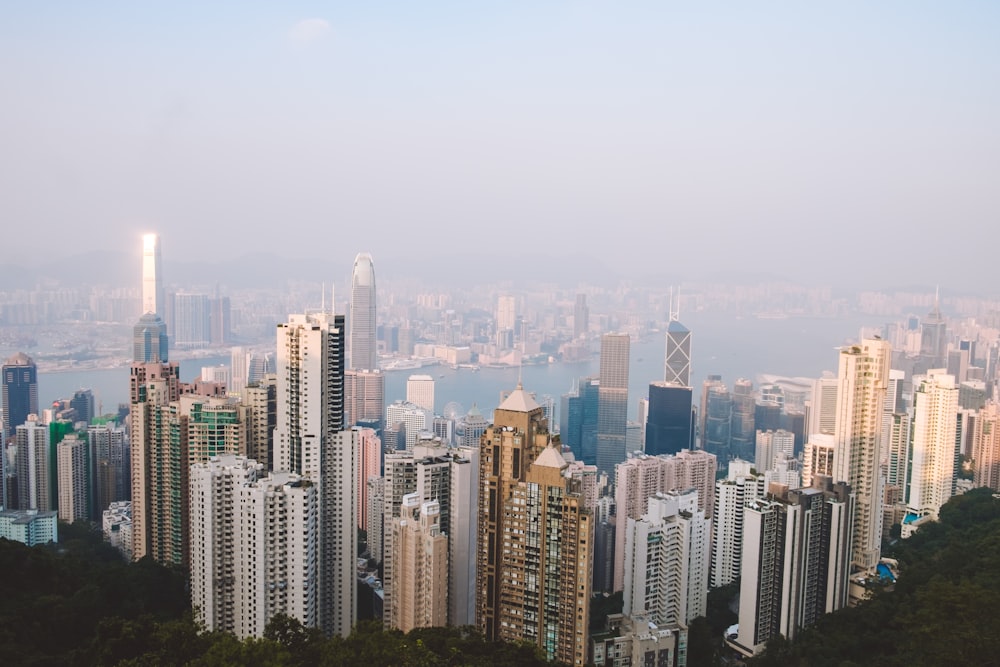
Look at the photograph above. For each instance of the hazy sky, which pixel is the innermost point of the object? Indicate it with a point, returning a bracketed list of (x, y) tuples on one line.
[(681, 137)]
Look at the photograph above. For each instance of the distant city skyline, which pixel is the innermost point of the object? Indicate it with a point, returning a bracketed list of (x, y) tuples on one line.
[(740, 139)]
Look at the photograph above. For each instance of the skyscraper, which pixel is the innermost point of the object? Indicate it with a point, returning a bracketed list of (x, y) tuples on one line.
[(581, 316), (535, 550), (152, 280), (667, 558), (255, 552), (71, 464), (986, 446), (364, 393), (612, 401), (420, 554), (795, 562), (310, 441), (20, 391), (33, 466), (420, 391), (862, 380), (149, 340), (364, 352), (731, 496), (677, 366), (642, 477), (933, 451), (669, 425)]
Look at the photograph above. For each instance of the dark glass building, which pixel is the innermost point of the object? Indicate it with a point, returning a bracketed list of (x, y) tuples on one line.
[(670, 422), (20, 391)]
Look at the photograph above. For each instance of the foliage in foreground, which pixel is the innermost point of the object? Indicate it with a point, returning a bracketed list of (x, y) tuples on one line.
[(945, 609), (79, 603)]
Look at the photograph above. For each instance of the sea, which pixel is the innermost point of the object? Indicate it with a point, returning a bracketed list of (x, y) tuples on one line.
[(721, 343)]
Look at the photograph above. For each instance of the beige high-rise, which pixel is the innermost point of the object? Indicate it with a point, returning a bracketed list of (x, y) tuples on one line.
[(420, 597), (535, 556), (862, 382)]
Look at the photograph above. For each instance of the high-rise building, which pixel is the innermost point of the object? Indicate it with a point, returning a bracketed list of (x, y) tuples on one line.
[(192, 320), (706, 386), (408, 419), (33, 466), (506, 312), (254, 546), (420, 554), (365, 396), (535, 551), (73, 486), (667, 558), (449, 477), (578, 429), (471, 428), (823, 411), (986, 447), (677, 366), (717, 437), (369, 465), (641, 477), (669, 422), (364, 350), (772, 445), (612, 401), (420, 391), (796, 561), (863, 378), (260, 399), (310, 441), (152, 280), (933, 444), (83, 403), (743, 429), (110, 474), (933, 337), (376, 517), (740, 486), (581, 316), (818, 457), (20, 391)]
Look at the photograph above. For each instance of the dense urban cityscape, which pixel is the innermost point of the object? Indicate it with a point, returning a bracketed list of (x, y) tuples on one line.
[(291, 482), (439, 334)]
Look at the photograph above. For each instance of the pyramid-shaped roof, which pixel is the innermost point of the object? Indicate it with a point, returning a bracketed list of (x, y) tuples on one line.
[(519, 401)]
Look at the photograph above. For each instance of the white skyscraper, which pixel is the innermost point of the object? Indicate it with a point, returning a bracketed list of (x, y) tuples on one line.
[(770, 445), (254, 546), (731, 496), (639, 478), (862, 381), (667, 559), (364, 351), (414, 419), (506, 313), (152, 280), (310, 441), (420, 391), (823, 412), (933, 451)]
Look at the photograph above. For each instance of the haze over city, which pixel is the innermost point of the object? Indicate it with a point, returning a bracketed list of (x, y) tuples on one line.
[(555, 333), (648, 140)]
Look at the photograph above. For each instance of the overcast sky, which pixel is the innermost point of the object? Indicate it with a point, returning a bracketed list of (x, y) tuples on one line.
[(682, 137)]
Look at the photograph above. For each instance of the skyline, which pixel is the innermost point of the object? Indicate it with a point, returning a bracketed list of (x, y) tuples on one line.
[(755, 140)]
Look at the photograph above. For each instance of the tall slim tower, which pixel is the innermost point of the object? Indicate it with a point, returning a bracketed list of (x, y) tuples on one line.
[(612, 401), (20, 391), (152, 280), (677, 362), (310, 441), (933, 452), (364, 353), (535, 550), (862, 381)]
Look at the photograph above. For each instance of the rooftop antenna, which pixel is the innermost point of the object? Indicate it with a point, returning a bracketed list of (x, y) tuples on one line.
[(520, 367), (675, 308)]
